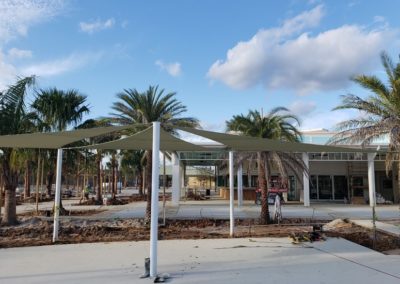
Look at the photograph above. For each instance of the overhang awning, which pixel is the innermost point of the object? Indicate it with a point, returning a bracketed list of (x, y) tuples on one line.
[(249, 144), (143, 140), (55, 140)]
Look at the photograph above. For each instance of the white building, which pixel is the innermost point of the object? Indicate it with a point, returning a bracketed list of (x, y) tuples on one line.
[(334, 177)]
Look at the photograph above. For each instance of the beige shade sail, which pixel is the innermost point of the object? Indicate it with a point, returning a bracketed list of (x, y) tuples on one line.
[(55, 140), (246, 143), (144, 141)]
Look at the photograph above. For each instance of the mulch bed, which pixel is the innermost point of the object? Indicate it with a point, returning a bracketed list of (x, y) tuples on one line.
[(34, 231)]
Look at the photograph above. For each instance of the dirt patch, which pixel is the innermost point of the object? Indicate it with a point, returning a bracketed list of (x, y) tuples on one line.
[(374, 240), (49, 213), (34, 231)]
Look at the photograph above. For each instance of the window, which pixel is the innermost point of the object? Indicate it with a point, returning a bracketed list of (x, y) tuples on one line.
[(340, 184)]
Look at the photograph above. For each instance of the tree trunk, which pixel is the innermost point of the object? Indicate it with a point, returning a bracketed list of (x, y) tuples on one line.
[(99, 198), (78, 175), (148, 186), (10, 205), (1, 194), (263, 185), (50, 177), (37, 184), (140, 183), (113, 189), (27, 177)]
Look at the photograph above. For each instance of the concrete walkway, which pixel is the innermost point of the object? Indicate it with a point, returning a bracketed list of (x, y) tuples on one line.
[(264, 260), (380, 226), (220, 210)]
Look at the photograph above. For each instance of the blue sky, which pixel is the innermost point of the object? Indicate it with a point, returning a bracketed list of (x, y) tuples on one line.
[(221, 57)]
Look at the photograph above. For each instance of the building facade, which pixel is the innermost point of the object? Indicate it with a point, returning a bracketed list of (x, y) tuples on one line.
[(333, 177)]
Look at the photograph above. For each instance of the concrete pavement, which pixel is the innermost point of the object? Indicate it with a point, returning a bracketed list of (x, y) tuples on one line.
[(219, 209), (263, 260)]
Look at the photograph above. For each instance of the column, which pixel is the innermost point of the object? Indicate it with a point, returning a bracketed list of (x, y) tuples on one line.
[(306, 181), (57, 197), (371, 179), (231, 194), (154, 199), (240, 184), (176, 180)]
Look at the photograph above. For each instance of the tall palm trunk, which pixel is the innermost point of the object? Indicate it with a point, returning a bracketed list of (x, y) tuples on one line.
[(49, 178), (27, 177), (99, 199), (113, 180), (37, 183), (10, 205), (149, 165), (140, 183), (10, 180), (263, 185)]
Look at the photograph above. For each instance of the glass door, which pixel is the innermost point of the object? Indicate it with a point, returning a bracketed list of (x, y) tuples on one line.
[(325, 187), (292, 189), (340, 186)]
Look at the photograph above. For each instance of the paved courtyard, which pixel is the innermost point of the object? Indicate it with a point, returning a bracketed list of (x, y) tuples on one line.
[(263, 260)]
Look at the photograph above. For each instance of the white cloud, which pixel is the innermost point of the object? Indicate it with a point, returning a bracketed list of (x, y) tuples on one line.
[(326, 119), (302, 108), (379, 19), (59, 66), (289, 58), (174, 69), (96, 26), (124, 24), (8, 73), (19, 53), (18, 15)]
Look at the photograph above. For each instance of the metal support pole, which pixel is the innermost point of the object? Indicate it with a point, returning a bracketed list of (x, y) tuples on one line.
[(176, 180), (306, 181), (154, 199), (240, 185), (231, 195), (57, 196), (371, 179)]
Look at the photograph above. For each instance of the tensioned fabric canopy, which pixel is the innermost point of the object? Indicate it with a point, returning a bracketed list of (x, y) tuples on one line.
[(246, 143), (143, 140), (55, 140)]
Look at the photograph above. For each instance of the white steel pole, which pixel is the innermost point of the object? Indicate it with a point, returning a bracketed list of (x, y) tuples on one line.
[(240, 184), (371, 179), (231, 195), (58, 195), (176, 180), (306, 181), (154, 199)]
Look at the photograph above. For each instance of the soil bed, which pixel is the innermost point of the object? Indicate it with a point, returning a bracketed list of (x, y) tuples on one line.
[(34, 231)]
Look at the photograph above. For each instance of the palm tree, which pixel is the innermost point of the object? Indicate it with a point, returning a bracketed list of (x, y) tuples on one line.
[(14, 119), (277, 124), (91, 123), (380, 112), (133, 162), (152, 105), (58, 109)]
